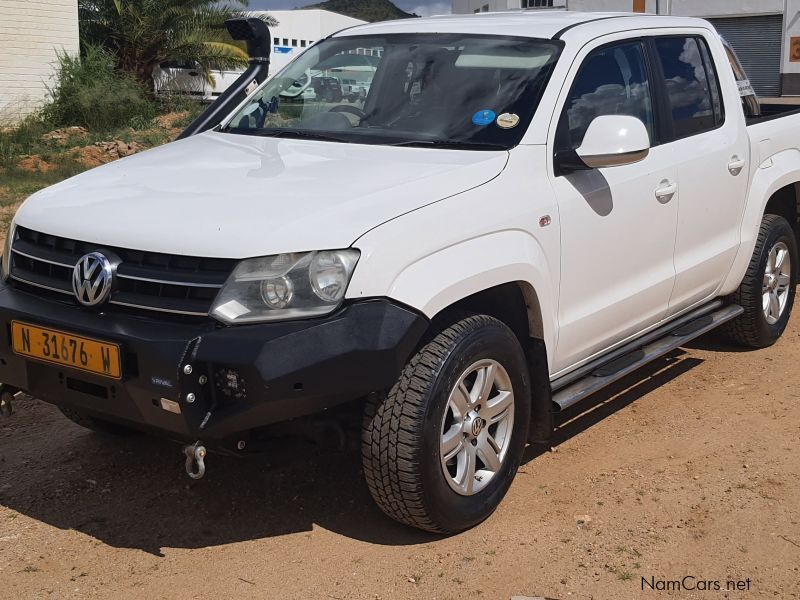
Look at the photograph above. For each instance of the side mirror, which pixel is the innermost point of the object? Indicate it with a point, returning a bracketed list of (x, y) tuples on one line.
[(613, 141)]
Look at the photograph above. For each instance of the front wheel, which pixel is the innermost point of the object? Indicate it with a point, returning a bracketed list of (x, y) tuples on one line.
[(768, 289), (442, 448)]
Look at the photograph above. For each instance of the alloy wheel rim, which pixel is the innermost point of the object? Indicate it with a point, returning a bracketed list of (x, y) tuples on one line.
[(776, 284), (476, 427)]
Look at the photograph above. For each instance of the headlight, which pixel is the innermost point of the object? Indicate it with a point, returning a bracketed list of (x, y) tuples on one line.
[(285, 286), (7, 252)]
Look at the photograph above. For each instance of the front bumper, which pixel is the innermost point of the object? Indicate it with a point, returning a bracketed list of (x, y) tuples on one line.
[(241, 378)]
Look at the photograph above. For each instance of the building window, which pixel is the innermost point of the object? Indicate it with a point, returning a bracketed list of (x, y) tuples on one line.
[(537, 3), (294, 43), (285, 41), (277, 41), (302, 43)]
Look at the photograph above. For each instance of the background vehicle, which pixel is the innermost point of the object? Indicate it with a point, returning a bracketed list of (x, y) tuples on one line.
[(526, 208), (354, 90), (183, 78), (328, 89)]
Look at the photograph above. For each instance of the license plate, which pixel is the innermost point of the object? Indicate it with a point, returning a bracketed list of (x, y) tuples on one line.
[(60, 348)]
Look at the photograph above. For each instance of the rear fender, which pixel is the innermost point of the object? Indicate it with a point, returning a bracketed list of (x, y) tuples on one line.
[(773, 174)]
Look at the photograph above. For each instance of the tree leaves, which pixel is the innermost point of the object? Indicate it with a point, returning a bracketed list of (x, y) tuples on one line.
[(144, 33)]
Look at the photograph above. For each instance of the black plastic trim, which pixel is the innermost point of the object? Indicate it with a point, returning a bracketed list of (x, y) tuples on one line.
[(561, 33), (253, 375)]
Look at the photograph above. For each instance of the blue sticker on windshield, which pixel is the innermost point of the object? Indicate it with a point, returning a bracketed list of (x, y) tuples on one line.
[(483, 117)]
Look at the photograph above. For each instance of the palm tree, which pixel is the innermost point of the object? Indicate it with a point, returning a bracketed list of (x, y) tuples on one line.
[(144, 33)]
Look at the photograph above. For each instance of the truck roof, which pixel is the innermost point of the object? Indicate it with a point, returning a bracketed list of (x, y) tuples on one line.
[(526, 23)]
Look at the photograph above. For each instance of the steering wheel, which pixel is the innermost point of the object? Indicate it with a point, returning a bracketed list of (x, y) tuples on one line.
[(346, 108)]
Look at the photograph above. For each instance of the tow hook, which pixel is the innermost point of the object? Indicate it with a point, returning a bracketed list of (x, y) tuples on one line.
[(6, 402), (195, 455)]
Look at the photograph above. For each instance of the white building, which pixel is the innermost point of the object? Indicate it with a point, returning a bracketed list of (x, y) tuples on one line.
[(764, 33), (298, 29), (32, 35)]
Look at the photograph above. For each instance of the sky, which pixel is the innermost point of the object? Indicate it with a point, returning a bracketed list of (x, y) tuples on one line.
[(421, 7)]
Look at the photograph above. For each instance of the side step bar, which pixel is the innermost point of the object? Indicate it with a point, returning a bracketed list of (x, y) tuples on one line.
[(629, 358)]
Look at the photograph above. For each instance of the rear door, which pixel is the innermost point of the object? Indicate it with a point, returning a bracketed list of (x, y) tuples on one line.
[(618, 224), (708, 137)]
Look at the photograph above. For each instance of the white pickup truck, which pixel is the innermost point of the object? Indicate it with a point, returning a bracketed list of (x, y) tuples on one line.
[(526, 207)]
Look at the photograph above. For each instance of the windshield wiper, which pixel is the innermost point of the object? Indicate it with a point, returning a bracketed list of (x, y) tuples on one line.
[(448, 144), (287, 133)]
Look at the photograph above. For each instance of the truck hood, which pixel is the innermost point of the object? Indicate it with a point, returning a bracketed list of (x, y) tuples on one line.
[(233, 196)]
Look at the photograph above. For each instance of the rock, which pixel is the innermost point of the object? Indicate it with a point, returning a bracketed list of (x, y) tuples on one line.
[(583, 521), (33, 163), (61, 136), (118, 148)]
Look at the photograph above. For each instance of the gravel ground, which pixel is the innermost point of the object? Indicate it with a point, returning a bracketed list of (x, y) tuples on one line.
[(689, 468)]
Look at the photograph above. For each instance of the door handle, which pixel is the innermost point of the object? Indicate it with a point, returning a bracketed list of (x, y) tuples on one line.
[(666, 191), (736, 165)]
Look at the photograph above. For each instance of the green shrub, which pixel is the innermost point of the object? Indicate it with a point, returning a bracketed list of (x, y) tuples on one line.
[(91, 92)]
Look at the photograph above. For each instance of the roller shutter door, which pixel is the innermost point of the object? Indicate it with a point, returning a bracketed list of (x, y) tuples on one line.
[(758, 42)]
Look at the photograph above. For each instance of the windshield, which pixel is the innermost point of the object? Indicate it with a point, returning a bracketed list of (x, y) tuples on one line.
[(470, 91)]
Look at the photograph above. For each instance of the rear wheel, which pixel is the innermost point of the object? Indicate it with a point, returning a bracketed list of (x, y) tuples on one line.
[(93, 423), (442, 448), (768, 289)]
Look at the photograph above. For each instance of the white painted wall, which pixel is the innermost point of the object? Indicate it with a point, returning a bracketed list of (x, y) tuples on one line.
[(298, 26), (693, 8), (724, 8), (791, 26), (32, 34)]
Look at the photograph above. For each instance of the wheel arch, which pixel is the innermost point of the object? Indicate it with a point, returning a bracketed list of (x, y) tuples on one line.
[(775, 190), (516, 304)]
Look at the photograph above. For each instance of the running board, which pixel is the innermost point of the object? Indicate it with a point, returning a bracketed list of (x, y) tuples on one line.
[(671, 337)]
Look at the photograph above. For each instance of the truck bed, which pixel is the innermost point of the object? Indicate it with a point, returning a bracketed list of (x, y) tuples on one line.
[(774, 133)]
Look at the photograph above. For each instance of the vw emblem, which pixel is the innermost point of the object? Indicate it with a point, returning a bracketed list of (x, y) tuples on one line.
[(92, 279), (477, 426)]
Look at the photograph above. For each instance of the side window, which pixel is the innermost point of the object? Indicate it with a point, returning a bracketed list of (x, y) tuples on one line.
[(692, 86), (611, 81)]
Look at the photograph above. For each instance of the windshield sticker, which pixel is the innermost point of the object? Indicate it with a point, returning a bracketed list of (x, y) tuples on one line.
[(745, 88), (508, 121), (483, 117)]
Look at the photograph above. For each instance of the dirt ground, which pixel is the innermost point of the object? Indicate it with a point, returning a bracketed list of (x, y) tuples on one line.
[(689, 468)]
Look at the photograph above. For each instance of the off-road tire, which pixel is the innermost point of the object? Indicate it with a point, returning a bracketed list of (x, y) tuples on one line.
[(93, 423), (401, 430), (751, 328)]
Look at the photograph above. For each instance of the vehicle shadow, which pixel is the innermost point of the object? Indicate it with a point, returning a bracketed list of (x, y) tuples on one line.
[(614, 398), (133, 492)]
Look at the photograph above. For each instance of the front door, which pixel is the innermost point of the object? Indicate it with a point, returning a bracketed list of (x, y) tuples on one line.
[(618, 225)]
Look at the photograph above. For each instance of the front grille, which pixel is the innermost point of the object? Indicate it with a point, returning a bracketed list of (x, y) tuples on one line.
[(145, 281)]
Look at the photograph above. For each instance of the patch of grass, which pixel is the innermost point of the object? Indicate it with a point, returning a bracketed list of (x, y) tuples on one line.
[(152, 137), (26, 138), (625, 576), (18, 183)]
